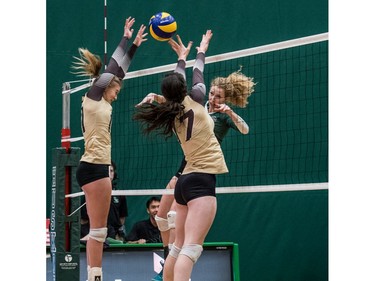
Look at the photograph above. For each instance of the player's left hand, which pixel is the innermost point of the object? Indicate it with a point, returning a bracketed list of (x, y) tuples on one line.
[(128, 31)]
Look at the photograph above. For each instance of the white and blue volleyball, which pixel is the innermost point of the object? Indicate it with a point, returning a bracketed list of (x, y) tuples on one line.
[(162, 26)]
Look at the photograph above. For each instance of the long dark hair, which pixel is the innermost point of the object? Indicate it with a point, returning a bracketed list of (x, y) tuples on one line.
[(161, 117)]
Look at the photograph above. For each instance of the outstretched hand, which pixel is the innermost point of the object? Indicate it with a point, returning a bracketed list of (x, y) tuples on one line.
[(150, 98), (205, 42), (147, 99), (128, 31), (222, 108), (180, 49), (141, 36)]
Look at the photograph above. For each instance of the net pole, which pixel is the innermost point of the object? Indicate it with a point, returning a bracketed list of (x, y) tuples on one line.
[(65, 134), (65, 131), (65, 246)]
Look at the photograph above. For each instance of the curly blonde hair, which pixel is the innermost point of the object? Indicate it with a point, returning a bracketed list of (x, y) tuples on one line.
[(87, 64), (237, 88)]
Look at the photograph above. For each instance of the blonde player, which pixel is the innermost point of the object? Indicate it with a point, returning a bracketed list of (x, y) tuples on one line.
[(93, 170)]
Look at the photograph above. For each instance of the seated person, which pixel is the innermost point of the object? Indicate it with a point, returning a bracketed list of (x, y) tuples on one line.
[(146, 231), (118, 211)]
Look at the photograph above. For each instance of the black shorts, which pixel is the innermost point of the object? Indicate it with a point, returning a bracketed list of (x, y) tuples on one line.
[(194, 185), (88, 172)]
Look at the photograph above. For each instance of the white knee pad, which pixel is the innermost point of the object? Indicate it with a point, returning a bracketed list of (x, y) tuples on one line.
[(174, 251), (171, 216), (162, 223), (95, 274), (192, 251), (99, 234)]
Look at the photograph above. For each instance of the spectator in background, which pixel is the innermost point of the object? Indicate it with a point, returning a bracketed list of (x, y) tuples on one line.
[(146, 231), (118, 210)]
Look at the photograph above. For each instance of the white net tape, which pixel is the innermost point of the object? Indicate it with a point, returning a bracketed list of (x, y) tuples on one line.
[(222, 190)]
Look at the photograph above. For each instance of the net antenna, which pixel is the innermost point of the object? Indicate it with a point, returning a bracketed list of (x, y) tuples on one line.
[(105, 34)]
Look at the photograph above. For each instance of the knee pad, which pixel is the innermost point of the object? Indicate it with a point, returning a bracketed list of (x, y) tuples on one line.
[(174, 251), (192, 251), (99, 234), (162, 223), (171, 216)]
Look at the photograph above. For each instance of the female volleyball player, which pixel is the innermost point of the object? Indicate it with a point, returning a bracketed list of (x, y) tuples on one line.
[(234, 90), (93, 170), (185, 115)]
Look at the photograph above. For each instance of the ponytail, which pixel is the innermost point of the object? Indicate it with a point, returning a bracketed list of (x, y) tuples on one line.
[(87, 64)]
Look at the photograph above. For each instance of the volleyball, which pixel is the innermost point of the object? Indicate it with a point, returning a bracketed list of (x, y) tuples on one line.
[(162, 26)]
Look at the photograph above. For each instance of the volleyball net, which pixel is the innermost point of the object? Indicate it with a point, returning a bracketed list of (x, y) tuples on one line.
[(287, 115)]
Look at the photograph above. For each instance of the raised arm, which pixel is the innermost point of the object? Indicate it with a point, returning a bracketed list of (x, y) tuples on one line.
[(120, 60), (126, 60), (115, 63), (182, 53), (199, 88)]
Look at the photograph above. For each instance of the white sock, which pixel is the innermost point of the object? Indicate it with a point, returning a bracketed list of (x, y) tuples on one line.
[(95, 274)]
